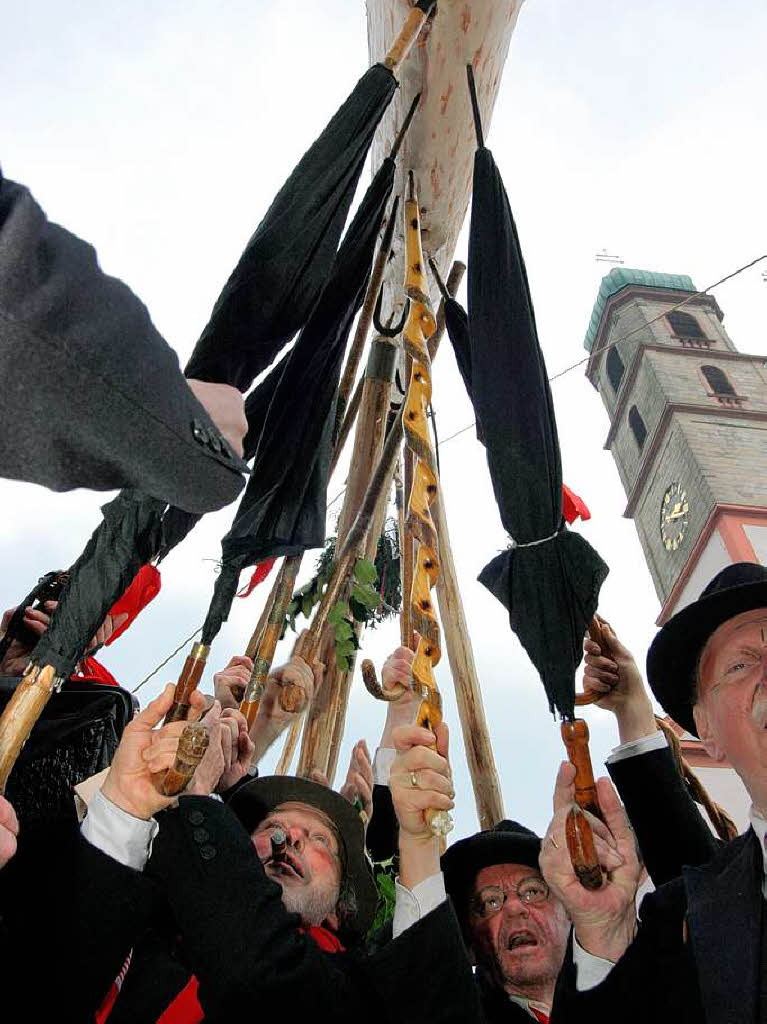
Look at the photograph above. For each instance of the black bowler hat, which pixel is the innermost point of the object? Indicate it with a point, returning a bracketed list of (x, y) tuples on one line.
[(91, 395), (508, 842), (252, 802), (672, 659)]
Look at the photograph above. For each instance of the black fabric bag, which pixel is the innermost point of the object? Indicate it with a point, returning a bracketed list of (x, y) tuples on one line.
[(75, 737)]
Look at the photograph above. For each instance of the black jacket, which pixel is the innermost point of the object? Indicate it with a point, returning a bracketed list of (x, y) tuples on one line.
[(74, 914), (696, 955), (669, 827), (245, 948), (90, 393)]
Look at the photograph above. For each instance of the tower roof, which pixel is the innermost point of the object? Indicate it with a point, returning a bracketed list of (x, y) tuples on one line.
[(621, 277)]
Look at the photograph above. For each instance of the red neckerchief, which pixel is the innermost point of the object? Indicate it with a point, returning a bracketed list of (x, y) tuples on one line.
[(186, 1009)]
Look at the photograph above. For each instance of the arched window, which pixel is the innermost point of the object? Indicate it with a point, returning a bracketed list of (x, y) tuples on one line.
[(684, 325), (638, 429), (718, 380), (614, 368)]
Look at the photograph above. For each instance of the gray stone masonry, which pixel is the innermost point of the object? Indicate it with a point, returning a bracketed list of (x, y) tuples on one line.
[(716, 450)]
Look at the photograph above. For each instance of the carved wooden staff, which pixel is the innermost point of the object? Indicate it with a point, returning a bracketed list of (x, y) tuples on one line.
[(420, 326)]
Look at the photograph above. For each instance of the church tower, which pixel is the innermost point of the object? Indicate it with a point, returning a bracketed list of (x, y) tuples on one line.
[(688, 428)]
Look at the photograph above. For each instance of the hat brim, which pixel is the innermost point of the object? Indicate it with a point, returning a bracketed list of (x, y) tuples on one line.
[(673, 655), (253, 801), (465, 858)]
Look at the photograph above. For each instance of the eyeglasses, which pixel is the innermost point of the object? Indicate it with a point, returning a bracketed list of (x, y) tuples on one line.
[(490, 900), (740, 667)]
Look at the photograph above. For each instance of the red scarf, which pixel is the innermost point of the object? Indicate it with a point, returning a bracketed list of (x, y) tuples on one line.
[(186, 1009)]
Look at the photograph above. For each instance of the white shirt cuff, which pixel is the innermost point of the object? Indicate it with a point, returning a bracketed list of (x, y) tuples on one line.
[(118, 834), (411, 905), (382, 762), (590, 970), (655, 741)]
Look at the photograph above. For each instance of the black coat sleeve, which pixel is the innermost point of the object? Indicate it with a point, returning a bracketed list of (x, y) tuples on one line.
[(655, 978), (670, 829), (382, 835), (71, 915)]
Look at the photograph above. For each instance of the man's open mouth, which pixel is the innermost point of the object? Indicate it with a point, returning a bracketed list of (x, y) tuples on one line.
[(287, 865), (520, 940)]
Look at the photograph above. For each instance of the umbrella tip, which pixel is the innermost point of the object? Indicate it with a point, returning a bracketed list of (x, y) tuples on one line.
[(475, 106), (405, 125), (440, 283)]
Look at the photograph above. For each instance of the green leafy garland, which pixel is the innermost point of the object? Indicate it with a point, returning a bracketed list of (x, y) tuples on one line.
[(367, 603)]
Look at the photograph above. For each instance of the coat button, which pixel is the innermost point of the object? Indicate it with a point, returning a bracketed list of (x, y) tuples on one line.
[(207, 852), (196, 818), (200, 432), (201, 835)]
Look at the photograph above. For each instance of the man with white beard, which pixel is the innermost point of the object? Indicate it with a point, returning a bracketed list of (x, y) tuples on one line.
[(699, 950)]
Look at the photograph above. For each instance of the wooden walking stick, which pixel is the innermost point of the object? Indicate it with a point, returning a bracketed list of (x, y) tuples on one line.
[(192, 745), (292, 696), (420, 326)]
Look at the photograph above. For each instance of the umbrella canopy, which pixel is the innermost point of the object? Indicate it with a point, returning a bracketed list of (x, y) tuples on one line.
[(268, 297), (291, 416), (550, 578), (286, 263), (120, 545)]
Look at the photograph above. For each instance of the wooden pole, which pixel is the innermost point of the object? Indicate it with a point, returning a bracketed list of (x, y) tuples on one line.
[(471, 711), (320, 727)]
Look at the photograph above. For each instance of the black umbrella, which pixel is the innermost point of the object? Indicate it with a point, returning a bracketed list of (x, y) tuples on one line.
[(286, 263), (292, 418), (120, 545), (549, 580)]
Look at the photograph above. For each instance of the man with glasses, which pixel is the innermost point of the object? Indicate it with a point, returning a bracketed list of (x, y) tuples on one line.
[(699, 950), (515, 928)]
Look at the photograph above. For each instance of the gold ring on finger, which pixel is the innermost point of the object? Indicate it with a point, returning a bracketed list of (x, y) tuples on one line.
[(553, 842)]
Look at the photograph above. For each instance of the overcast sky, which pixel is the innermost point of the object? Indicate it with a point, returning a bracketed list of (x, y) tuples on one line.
[(161, 130)]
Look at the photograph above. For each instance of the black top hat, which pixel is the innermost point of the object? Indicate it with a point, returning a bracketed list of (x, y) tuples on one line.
[(673, 656), (254, 800), (508, 842)]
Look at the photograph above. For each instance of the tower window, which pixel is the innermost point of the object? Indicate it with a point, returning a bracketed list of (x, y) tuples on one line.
[(638, 429), (718, 380), (615, 368), (685, 326)]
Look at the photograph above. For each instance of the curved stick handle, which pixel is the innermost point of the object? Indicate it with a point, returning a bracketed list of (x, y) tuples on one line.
[(580, 839), (374, 688), (192, 745), (190, 676), (595, 632)]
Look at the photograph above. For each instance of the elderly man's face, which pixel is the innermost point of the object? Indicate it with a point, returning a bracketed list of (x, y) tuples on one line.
[(731, 711), (310, 873), (522, 946)]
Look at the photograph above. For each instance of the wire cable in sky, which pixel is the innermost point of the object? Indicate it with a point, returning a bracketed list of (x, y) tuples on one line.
[(635, 330)]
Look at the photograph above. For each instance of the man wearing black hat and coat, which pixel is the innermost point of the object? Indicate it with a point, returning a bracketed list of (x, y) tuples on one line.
[(515, 928), (698, 951), (263, 918)]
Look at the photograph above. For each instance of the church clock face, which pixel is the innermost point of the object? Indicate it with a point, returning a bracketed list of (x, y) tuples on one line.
[(674, 517)]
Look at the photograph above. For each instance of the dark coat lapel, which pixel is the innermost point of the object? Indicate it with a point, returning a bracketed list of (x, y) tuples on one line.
[(724, 899)]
